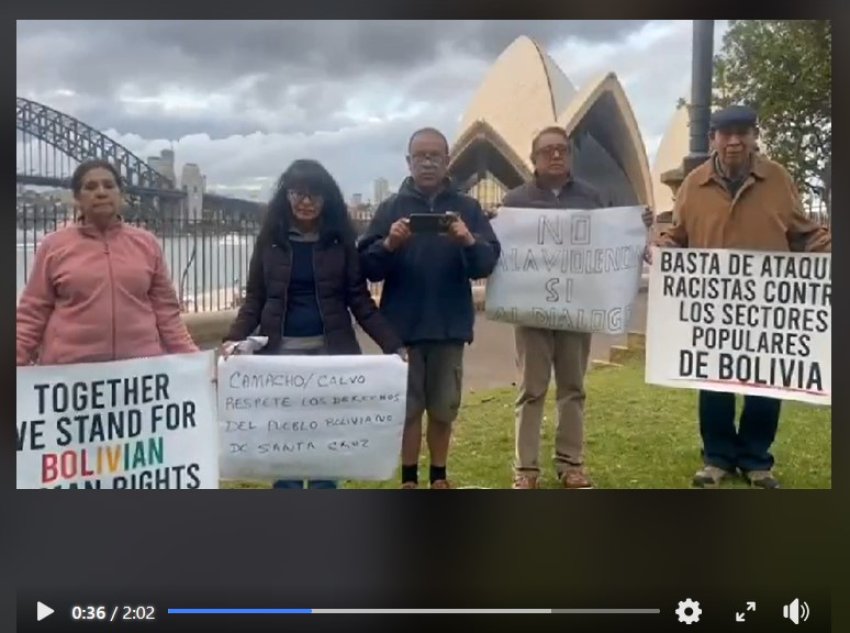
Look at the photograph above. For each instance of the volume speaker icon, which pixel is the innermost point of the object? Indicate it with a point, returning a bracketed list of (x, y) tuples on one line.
[(796, 611)]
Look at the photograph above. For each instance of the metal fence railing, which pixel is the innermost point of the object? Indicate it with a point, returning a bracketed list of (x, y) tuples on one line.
[(207, 259), (818, 210)]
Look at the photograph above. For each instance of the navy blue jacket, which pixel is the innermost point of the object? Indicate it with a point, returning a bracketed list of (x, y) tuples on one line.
[(427, 296)]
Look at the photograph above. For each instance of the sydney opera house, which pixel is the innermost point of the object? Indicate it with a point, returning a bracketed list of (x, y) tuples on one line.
[(524, 92)]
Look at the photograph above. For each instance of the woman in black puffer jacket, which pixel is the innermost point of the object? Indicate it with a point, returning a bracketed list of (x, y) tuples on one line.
[(304, 280)]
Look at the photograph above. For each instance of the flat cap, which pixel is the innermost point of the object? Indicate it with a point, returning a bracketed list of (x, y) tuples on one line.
[(734, 116)]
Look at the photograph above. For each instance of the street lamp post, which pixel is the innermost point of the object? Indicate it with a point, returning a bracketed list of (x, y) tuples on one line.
[(700, 107)]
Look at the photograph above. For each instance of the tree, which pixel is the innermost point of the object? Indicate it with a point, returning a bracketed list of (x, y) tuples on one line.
[(783, 69)]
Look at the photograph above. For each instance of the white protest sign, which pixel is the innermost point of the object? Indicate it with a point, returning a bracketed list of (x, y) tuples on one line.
[(135, 424), (563, 269), (311, 417), (741, 321)]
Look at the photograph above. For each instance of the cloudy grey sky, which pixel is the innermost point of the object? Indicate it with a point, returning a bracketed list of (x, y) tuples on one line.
[(243, 99)]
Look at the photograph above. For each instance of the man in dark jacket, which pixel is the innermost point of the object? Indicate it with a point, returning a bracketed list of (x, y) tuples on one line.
[(538, 349), (427, 295)]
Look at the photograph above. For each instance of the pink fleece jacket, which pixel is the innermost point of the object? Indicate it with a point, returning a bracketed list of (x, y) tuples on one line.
[(96, 297)]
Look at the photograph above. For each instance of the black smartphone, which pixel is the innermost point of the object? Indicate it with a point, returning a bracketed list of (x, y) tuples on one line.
[(430, 222)]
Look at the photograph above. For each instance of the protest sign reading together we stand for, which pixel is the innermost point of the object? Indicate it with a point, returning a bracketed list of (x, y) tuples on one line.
[(311, 417), (740, 321), (132, 424), (566, 269)]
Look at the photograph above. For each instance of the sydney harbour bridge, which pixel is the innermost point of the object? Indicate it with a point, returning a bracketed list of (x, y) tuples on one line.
[(54, 143), (208, 249)]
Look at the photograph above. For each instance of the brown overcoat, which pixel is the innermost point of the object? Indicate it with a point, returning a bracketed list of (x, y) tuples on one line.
[(765, 215)]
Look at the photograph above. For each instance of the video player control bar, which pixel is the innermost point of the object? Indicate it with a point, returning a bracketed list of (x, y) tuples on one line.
[(411, 611)]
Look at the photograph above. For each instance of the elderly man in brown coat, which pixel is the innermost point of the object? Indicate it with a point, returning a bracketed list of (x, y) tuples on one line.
[(738, 199)]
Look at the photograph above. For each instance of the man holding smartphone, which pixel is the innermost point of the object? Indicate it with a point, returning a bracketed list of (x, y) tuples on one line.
[(426, 243)]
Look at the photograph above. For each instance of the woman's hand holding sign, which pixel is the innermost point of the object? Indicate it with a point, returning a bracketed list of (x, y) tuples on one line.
[(227, 349)]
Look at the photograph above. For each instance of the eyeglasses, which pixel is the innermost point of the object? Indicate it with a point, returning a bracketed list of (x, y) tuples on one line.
[(434, 158), (298, 196), (551, 150)]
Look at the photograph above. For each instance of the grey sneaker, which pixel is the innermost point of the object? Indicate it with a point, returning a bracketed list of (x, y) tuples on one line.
[(710, 476), (762, 479)]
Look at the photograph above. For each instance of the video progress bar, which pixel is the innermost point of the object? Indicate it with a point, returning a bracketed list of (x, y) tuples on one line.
[(412, 611)]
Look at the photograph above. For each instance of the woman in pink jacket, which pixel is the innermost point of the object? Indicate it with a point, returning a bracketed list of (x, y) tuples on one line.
[(99, 289)]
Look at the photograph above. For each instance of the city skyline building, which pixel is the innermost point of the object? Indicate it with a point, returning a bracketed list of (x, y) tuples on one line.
[(164, 164), (193, 183), (382, 190)]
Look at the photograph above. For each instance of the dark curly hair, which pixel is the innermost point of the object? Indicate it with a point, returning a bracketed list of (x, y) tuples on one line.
[(309, 175)]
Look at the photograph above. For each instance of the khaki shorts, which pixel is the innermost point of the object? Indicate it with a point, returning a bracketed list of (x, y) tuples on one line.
[(435, 380)]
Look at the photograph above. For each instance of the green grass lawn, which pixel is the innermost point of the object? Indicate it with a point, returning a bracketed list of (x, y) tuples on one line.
[(637, 435)]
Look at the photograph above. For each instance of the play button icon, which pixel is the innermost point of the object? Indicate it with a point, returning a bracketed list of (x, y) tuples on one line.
[(42, 611)]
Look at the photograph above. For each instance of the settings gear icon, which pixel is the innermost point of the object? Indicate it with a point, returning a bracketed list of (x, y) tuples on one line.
[(688, 611)]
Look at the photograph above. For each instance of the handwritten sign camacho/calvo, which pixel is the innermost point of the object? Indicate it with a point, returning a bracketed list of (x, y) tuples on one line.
[(132, 424), (311, 417), (563, 269), (740, 321)]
